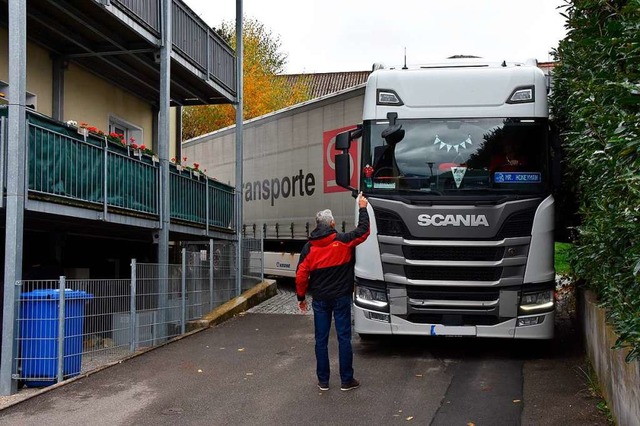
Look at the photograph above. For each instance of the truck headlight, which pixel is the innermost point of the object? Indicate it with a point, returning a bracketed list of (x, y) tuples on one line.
[(371, 297), (538, 301)]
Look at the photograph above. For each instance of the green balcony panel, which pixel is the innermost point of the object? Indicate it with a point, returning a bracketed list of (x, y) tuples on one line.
[(66, 167)]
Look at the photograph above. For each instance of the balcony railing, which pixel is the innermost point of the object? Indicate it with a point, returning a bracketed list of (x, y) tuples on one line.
[(191, 36), (69, 168)]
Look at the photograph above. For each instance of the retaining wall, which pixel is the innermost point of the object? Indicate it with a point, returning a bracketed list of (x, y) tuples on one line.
[(619, 380)]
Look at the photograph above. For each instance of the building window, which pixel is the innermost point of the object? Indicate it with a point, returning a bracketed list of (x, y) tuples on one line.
[(127, 129), (31, 99)]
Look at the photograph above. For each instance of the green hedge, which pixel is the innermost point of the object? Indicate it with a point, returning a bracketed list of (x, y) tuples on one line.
[(596, 103)]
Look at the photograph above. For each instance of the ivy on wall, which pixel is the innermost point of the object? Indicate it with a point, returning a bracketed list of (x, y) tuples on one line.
[(596, 104)]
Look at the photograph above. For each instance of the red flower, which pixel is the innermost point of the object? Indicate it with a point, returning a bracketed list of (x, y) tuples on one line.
[(134, 145), (184, 159), (173, 160), (196, 165), (143, 147)]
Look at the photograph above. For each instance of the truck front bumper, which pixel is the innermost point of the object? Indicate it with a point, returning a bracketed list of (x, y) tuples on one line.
[(364, 324)]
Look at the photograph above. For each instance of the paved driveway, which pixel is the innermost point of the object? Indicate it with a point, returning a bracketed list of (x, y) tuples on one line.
[(258, 369)]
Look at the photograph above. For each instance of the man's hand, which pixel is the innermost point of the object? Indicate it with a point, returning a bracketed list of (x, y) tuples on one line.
[(304, 306), (362, 201)]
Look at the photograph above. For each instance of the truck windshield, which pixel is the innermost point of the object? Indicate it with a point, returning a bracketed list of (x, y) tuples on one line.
[(457, 157)]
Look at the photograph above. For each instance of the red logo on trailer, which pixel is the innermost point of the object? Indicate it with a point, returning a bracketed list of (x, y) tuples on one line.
[(329, 167)]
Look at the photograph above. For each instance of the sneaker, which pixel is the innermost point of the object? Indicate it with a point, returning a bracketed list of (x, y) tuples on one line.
[(353, 384), (323, 386)]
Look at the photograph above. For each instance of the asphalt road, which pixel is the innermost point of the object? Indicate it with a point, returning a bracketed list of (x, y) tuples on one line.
[(259, 369)]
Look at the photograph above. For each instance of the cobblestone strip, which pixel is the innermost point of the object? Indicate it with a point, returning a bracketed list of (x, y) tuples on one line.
[(284, 302)]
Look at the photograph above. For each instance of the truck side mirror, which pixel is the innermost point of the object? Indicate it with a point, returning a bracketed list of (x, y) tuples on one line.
[(343, 161), (343, 170), (343, 142), (394, 133)]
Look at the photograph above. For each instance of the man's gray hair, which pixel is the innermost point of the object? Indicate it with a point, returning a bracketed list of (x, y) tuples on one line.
[(324, 217)]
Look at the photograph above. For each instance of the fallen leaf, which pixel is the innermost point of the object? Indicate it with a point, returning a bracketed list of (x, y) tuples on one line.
[(241, 350), (418, 375), (409, 418), (199, 371), (249, 374), (516, 401)]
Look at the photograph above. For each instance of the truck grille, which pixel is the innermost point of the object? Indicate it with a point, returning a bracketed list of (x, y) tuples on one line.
[(452, 314), (517, 225), (452, 273), (483, 294), (453, 320), (453, 253), (389, 223)]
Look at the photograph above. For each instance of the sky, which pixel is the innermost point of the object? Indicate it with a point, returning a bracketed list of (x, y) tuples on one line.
[(352, 35)]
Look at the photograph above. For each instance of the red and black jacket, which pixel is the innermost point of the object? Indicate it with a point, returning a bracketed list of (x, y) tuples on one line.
[(326, 261)]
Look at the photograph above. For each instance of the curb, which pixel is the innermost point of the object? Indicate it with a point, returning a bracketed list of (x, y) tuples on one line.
[(250, 298), (247, 300)]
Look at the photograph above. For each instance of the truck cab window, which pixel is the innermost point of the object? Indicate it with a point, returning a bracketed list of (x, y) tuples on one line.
[(458, 156)]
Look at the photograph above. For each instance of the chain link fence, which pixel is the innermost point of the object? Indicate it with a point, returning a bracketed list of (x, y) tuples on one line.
[(68, 327)]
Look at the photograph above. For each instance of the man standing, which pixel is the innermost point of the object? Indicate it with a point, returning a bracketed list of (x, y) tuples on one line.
[(326, 268)]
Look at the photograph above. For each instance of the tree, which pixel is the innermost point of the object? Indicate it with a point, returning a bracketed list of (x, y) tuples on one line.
[(264, 91)]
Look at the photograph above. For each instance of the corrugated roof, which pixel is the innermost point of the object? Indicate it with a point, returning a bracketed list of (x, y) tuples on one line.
[(322, 84)]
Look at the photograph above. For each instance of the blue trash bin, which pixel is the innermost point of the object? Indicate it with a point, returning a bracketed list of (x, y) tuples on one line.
[(39, 335)]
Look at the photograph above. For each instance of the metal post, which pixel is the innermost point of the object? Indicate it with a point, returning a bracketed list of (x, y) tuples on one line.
[(239, 142), (209, 44), (211, 274), (133, 344), (16, 165), (61, 320), (183, 304), (207, 202), (105, 187), (3, 142), (163, 154), (262, 262)]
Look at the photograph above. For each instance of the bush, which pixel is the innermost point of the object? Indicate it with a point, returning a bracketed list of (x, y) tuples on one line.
[(596, 104)]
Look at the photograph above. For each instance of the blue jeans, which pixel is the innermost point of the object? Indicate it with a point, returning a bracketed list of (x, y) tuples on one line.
[(341, 309)]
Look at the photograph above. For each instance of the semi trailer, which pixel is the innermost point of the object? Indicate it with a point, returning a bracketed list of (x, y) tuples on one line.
[(288, 173)]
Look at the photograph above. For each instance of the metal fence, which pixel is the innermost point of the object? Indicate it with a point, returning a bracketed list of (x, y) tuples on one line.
[(66, 327)]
